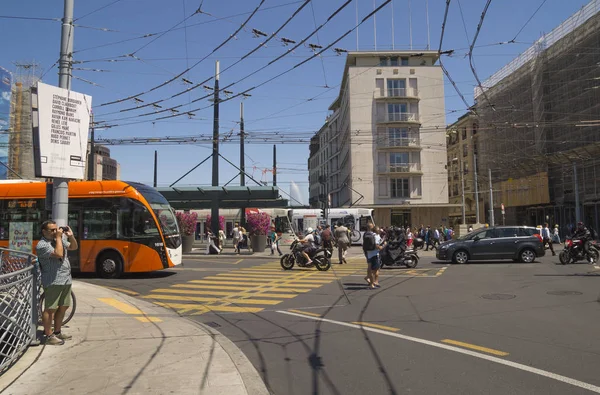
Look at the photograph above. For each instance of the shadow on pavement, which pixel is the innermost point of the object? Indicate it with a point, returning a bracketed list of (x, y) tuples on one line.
[(127, 276)]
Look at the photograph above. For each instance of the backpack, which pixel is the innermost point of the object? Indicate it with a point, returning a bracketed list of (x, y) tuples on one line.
[(593, 233), (369, 243), (317, 238)]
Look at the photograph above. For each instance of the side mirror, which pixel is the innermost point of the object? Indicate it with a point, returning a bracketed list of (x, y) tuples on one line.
[(476, 238)]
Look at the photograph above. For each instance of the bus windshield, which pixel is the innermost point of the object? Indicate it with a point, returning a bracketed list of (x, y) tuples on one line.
[(164, 213)]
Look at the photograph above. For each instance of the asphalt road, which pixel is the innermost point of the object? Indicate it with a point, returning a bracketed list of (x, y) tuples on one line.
[(490, 328)]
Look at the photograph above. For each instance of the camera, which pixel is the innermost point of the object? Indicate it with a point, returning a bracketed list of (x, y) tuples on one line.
[(64, 228)]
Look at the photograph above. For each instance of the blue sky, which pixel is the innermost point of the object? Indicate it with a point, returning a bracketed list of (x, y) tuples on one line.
[(281, 106)]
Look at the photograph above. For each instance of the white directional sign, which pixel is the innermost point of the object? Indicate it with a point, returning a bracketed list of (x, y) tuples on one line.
[(61, 132)]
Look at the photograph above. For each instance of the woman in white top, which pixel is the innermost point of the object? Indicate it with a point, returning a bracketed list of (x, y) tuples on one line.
[(409, 237)]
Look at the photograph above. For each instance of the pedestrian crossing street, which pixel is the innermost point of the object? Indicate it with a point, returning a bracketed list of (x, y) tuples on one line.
[(252, 289)]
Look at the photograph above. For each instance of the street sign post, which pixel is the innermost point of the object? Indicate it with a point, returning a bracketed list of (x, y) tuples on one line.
[(503, 213)]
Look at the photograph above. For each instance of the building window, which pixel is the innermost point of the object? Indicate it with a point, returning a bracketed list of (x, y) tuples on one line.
[(397, 137), (396, 88), (465, 149), (383, 187), (404, 61), (382, 61), (399, 188), (399, 162), (465, 168), (475, 127), (475, 147), (394, 61), (397, 112), (464, 133)]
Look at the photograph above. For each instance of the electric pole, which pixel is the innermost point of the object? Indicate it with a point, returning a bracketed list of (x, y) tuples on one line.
[(274, 165), (155, 168), (214, 213), (242, 162), (576, 188), (476, 189), (462, 182), (92, 160), (60, 186), (491, 198)]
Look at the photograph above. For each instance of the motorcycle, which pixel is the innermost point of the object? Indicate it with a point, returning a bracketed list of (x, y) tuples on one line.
[(574, 251), (395, 253), (321, 258)]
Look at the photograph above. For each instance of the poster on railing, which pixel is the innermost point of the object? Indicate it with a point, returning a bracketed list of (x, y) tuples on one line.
[(20, 236)]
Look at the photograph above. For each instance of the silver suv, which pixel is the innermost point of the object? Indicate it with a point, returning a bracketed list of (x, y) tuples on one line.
[(519, 243)]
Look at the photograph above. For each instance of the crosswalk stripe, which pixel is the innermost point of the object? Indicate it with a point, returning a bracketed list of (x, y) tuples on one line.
[(263, 279), (204, 308), (214, 282), (212, 300), (221, 293), (296, 290)]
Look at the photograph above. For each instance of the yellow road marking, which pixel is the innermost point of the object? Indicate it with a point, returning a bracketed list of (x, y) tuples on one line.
[(127, 309), (475, 347), (238, 288), (204, 308), (200, 259), (148, 319), (214, 282), (125, 291), (217, 293), (267, 279), (305, 312), (212, 300), (385, 328)]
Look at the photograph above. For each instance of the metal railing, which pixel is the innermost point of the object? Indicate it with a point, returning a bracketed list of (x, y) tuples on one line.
[(398, 142), (20, 284), (399, 168), (399, 117), (396, 92)]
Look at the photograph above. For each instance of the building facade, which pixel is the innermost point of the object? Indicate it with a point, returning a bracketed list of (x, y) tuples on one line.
[(539, 119), (462, 148), (106, 168), (383, 145)]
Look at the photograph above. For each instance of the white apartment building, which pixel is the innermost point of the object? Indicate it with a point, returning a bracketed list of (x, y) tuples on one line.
[(383, 146)]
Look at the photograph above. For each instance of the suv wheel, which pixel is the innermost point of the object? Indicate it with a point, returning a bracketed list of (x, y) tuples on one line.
[(460, 257), (527, 255)]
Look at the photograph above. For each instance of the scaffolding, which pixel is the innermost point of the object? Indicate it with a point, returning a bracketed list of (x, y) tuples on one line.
[(543, 121)]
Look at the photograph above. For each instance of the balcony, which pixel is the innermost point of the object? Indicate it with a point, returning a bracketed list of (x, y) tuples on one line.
[(396, 93), (406, 143), (398, 117), (402, 168)]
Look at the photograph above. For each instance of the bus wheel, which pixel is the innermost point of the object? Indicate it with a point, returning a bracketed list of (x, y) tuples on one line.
[(109, 265)]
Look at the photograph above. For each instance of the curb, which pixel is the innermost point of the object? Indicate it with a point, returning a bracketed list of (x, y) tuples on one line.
[(252, 381)]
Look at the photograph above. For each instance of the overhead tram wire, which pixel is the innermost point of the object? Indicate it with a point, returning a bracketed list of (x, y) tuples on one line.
[(195, 86), (245, 92), (189, 68), (440, 53), (244, 78), (528, 20), (483, 14), (96, 10)]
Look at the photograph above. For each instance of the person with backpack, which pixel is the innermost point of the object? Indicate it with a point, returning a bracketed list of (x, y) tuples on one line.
[(371, 248)]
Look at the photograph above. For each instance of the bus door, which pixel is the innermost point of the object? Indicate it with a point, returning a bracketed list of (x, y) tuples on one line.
[(75, 224)]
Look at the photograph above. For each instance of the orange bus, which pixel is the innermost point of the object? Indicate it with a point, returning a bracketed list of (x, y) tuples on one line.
[(121, 227)]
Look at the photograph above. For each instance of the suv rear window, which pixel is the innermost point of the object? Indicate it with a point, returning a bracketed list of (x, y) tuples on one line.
[(508, 232), (527, 231)]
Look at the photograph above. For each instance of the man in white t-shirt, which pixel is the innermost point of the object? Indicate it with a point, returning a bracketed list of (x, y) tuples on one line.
[(309, 245), (235, 234)]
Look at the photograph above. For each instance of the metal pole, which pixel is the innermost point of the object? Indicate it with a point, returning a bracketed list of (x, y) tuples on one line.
[(393, 44), (576, 188), (374, 27), (155, 169), (274, 165), (409, 25), (242, 154), (462, 181), (427, 16), (214, 223), (356, 3), (476, 190), (60, 186), (491, 198), (92, 159)]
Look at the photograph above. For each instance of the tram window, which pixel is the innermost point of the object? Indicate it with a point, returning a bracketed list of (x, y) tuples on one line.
[(364, 221)]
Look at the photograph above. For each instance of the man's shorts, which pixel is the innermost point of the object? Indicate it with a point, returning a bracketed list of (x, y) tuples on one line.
[(56, 296), (374, 262)]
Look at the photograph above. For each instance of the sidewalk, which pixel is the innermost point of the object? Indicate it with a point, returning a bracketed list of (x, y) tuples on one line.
[(122, 345)]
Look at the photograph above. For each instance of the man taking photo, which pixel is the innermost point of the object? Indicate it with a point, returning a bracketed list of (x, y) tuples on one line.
[(56, 278)]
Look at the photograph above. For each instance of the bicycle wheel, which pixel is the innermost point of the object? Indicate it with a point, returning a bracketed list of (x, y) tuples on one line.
[(68, 314), (355, 236)]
